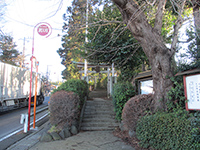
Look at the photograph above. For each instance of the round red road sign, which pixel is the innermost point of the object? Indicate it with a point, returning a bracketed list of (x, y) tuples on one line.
[(43, 30)]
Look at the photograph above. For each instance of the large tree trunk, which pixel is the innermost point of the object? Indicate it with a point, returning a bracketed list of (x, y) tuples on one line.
[(150, 38)]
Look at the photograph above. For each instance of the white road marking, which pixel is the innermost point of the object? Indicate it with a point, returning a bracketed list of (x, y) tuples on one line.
[(11, 134)]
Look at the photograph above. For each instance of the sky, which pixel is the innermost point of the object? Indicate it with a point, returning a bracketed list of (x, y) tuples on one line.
[(20, 18)]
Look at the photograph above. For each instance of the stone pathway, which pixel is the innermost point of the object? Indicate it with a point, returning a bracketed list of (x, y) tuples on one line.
[(90, 140)]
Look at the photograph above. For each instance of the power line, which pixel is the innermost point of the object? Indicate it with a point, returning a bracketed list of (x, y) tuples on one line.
[(2, 32), (27, 23), (24, 23), (19, 21), (59, 7)]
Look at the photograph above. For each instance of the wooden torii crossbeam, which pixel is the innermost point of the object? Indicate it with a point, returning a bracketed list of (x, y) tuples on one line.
[(110, 71), (90, 65)]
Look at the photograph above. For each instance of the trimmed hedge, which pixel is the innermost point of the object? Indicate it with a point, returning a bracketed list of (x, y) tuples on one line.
[(136, 107), (64, 107), (122, 92), (166, 131), (77, 86)]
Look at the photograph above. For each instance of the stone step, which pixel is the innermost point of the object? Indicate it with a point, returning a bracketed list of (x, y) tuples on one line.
[(97, 128), (98, 105), (99, 115), (98, 112), (99, 120), (99, 109), (99, 124), (102, 116), (99, 101)]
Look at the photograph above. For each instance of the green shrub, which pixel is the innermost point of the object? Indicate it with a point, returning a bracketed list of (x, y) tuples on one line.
[(176, 95), (166, 131), (75, 85), (122, 92), (64, 107), (195, 123)]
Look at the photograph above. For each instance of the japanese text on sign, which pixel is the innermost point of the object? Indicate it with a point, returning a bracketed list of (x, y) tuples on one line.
[(193, 91)]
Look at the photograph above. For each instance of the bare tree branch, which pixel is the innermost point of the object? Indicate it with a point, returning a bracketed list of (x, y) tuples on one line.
[(96, 33), (178, 25), (126, 60), (159, 16), (196, 14), (151, 3)]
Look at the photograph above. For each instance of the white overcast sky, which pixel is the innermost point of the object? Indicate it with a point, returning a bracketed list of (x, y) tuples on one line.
[(20, 18)]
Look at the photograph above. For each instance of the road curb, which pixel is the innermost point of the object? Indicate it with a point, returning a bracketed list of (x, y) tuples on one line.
[(21, 140)]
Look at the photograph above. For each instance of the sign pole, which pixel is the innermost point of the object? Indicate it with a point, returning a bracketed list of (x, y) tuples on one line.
[(35, 97), (29, 101), (44, 29)]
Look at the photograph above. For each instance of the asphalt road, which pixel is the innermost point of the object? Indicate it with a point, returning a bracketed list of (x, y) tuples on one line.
[(10, 122)]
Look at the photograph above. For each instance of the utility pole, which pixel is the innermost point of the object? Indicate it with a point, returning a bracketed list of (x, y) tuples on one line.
[(86, 41), (48, 73), (23, 54), (22, 65)]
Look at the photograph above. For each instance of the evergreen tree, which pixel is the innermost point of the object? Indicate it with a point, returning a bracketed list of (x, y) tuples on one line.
[(8, 53), (74, 39)]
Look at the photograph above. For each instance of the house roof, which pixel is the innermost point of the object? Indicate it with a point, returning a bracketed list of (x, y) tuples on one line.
[(143, 75), (193, 71)]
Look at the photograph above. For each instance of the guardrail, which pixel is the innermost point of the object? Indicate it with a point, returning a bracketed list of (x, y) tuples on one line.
[(40, 110), (24, 118)]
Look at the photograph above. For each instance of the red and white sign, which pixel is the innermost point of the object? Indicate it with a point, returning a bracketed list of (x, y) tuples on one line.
[(43, 30)]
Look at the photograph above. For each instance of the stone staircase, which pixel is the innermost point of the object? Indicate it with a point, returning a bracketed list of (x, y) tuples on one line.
[(98, 115)]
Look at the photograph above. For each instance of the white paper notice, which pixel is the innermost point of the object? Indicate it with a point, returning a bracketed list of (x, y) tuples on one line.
[(193, 91)]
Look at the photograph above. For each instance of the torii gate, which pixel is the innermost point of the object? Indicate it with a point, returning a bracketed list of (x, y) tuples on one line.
[(111, 73)]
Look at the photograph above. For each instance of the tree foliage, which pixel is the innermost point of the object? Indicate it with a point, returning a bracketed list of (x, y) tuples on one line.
[(111, 42), (109, 39), (144, 27), (73, 40), (8, 53)]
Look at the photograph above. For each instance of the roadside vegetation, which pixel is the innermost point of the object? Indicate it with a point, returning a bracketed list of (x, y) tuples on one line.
[(66, 103), (137, 36)]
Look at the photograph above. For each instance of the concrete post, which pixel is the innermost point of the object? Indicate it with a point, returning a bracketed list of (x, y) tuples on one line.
[(108, 84)]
